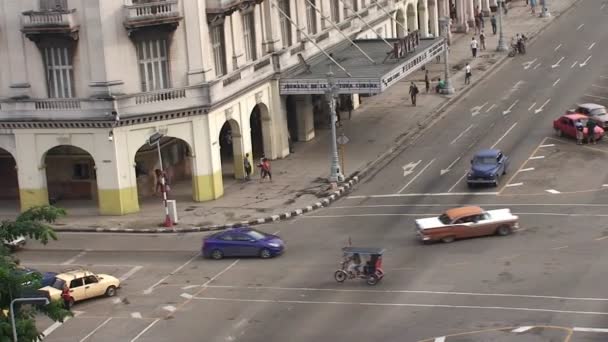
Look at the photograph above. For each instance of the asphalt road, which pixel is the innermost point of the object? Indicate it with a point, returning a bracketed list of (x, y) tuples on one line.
[(544, 283)]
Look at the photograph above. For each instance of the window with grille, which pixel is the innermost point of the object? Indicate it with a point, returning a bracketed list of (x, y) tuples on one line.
[(50, 5), (311, 17), (285, 23), (249, 36), (153, 64), (219, 49), (355, 4), (335, 11), (59, 71)]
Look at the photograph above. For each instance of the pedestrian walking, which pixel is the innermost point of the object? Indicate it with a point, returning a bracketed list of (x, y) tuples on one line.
[(427, 81), (265, 169), (482, 41), (591, 132), (579, 132), (481, 21), (349, 106), (247, 166), (477, 25), (467, 74), (413, 92), (493, 22), (474, 47)]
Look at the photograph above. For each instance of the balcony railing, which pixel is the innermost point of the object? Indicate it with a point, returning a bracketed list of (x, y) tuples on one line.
[(45, 22), (227, 6), (152, 14)]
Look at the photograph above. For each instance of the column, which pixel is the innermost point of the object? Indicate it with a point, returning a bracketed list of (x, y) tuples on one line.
[(271, 26), (305, 117), (462, 25), (31, 172), (424, 21), (278, 112), (115, 169), (198, 46), (207, 183), (17, 57), (470, 13), (92, 49), (485, 7), (434, 19)]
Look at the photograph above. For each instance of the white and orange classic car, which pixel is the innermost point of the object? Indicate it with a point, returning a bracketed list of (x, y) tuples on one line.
[(466, 222)]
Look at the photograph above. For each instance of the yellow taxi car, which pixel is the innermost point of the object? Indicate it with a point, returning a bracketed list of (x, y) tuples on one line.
[(82, 285)]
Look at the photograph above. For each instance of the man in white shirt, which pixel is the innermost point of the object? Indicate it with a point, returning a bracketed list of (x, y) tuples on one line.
[(474, 47), (467, 74)]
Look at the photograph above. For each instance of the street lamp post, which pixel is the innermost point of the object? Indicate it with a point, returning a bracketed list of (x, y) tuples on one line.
[(448, 89), (335, 174), (33, 300), (502, 45), (154, 139)]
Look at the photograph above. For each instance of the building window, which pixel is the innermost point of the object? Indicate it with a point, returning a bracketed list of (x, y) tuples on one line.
[(219, 49), (53, 5), (59, 71), (81, 171), (335, 11), (153, 64), (355, 4), (363, 3), (285, 23), (249, 36), (311, 17)]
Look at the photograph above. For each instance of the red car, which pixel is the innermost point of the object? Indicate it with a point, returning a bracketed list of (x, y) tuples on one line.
[(564, 126)]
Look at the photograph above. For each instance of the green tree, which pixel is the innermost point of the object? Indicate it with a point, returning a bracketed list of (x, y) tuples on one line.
[(33, 224)]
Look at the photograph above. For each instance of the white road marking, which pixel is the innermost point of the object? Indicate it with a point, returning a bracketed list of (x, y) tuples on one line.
[(597, 97), (220, 273), (130, 273), (514, 184), (409, 168), (458, 181), (532, 106), (604, 184), (145, 329), (371, 304), (561, 247), (446, 170), (77, 256), (440, 339), (557, 47), (537, 157), (547, 145), (475, 110), (136, 315), (189, 287), (585, 62), (591, 46), (536, 66), (95, 330), (448, 205), (461, 134), (597, 86), (553, 191), (528, 64), (151, 288), (490, 108), (169, 308), (580, 26), (556, 82), (420, 292), (423, 194), (602, 330), (116, 300), (416, 176), (437, 214), (56, 264), (603, 5), (557, 64), (505, 112), (186, 295), (504, 135), (574, 64), (521, 329), (541, 108), (54, 327), (526, 169)]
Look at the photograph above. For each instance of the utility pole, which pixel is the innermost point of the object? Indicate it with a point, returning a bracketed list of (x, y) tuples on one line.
[(502, 45), (448, 89), (335, 175)]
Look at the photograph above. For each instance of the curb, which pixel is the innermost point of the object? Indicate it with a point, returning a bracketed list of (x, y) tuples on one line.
[(347, 185)]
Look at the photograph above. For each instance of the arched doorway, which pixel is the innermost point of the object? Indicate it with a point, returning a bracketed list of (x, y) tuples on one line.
[(292, 117), (71, 179), (259, 123), (9, 183), (176, 163), (231, 151), (400, 23), (411, 18)]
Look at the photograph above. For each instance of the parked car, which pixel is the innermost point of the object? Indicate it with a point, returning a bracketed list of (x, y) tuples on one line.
[(466, 222), (487, 166), (595, 112), (82, 285), (243, 241), (564, 126), (46, 278), (15, 244)]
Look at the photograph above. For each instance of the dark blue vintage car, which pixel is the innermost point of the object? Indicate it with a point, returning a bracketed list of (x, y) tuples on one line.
[(487, 167), (242, 241)]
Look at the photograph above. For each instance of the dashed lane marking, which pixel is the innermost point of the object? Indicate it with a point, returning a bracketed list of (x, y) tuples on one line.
[(602, 238), (440, 339), (424, 194), (461, 134), (547, 145), (458, 181), (537, 157), (77, 256), (574, 64), (169, 308), (580, 27), (131, 272), (95, 330), (596, 97), (151, 288), (136, 315), (553, 191), (558, 248), (591, 46), (522, 329), (504, 135), (598, 86), (186, 295), (600, 330), (527, 169), (145, 329), (514, 184), (416, 176)]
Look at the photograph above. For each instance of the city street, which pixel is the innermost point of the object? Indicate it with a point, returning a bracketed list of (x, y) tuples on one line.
[(545, 282)]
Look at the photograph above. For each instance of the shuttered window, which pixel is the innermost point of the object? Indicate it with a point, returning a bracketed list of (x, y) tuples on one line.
[(153, 64), (59, 71)]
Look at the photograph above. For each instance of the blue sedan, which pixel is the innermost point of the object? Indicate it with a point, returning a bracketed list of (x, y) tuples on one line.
[(487, 167), (241, 242)]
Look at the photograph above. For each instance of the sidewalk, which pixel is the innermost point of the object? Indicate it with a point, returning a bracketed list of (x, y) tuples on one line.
[(299, 181)]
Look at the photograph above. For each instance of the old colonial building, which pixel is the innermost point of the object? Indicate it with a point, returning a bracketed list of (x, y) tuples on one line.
[(84, 83)]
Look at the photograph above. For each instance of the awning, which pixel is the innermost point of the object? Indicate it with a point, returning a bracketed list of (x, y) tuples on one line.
[(366, 78)]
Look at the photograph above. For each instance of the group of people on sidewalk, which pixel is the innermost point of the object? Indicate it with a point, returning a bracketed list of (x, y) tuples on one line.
[(580, 132), (264, 165)]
